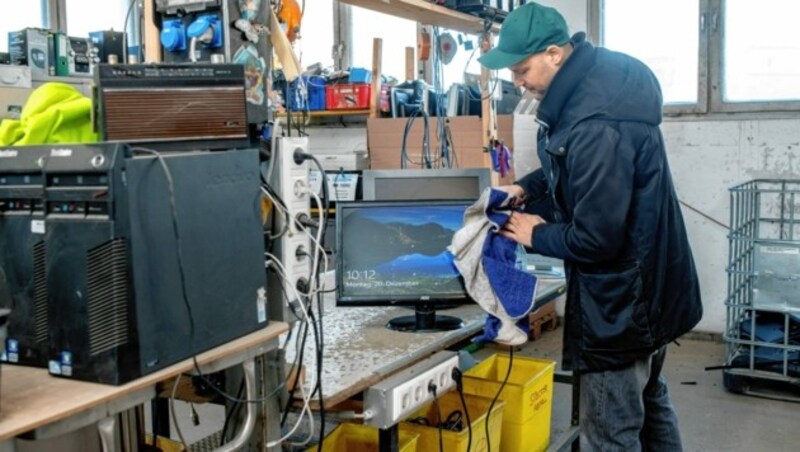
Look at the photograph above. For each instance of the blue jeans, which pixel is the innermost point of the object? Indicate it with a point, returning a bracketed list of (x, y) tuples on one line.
[(628, 409)]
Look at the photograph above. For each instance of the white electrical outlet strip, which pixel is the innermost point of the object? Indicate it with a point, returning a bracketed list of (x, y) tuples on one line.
[(393, 399), (290, 181)]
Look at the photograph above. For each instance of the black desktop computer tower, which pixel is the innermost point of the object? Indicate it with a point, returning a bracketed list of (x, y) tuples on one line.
[(126, 301), (22, 284)]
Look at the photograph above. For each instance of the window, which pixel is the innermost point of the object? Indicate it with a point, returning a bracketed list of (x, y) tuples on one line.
[(761, 53), (316, 34), (31, 15), (397, 34), (85, 16), (669, 45), (711, 55)]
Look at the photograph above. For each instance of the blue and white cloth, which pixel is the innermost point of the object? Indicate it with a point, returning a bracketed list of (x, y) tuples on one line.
[(487, 262)]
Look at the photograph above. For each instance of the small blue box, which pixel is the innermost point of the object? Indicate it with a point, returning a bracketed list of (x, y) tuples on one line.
[(315, 94), (359, 75)]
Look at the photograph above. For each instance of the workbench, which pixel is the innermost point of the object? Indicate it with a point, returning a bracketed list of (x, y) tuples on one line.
[(360, 351), (34, 403)]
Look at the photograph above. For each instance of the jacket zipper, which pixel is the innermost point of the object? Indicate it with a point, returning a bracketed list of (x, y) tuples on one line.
[(551, 181), (546, 128)]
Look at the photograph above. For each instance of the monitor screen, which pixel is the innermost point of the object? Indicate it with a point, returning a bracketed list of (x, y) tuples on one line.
[(418, 184), (396, 252)]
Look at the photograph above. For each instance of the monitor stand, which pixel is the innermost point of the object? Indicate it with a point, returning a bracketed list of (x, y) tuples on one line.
[(424, 320)]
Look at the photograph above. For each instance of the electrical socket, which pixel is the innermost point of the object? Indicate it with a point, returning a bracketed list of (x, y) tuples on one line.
[(290, 182), (393, 399)]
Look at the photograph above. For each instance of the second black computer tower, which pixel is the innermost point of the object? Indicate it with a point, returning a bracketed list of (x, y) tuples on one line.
[(131, 294), (22, 283)]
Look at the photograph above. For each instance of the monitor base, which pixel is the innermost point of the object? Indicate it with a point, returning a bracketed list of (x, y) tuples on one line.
[(424, 321)]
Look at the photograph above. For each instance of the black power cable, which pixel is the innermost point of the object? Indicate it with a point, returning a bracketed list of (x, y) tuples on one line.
[(496, 396), (432, 390), (231, 412), (182, 277), (457, 377), (319, 333), (299, 360), (184, 296)]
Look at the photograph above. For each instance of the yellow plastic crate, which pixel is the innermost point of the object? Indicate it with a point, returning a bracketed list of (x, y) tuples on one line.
[(361, 438), (528, 394), (527, 436), (457, 441)]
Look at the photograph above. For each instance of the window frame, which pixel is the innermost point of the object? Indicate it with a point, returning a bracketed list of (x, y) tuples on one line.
[(710, 54), (344, 37)]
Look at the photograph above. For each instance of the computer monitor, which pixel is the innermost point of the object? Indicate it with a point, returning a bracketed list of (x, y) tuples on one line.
[(463, 100), (395, 254), (419, 184), (510, 97)]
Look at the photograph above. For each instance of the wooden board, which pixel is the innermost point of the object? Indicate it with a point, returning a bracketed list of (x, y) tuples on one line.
[(152, 40), (32, 398), (425, 13), (325, 113), (377, 64), (360, 351)]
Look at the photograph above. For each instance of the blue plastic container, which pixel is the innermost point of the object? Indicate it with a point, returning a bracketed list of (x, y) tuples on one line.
[(315, 94), (359, 75)]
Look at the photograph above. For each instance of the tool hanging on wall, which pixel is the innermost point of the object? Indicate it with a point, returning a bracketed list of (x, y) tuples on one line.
[(501, 158), (290, 15), (447, 47), (424, 45)]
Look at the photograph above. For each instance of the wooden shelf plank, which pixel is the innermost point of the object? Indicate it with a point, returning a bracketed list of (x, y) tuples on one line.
[(425, 13), (32, 398), (324, 113)]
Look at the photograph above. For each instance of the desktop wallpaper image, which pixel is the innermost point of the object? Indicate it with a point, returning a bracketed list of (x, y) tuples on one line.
[(400, 251)]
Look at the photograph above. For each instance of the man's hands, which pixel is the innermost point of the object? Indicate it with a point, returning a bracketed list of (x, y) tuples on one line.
[(516, 191), (520, 226)]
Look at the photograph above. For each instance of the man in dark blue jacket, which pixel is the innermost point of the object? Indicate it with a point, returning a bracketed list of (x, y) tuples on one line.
[(613, 216)]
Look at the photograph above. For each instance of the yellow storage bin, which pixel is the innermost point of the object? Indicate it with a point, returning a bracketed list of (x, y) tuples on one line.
[(453, 441), (525, 436), (528, 394), (361, 438)]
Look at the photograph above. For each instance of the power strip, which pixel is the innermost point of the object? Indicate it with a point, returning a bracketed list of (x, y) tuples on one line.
[(393, 399), (290, 182)]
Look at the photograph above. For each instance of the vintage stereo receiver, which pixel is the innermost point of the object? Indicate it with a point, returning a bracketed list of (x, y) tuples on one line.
[(172, 107)]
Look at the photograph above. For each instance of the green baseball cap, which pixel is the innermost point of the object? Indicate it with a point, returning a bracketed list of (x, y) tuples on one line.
[(527, 30)]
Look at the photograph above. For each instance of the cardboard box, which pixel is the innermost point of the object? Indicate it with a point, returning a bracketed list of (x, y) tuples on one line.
[(15, 76), (385, 141)]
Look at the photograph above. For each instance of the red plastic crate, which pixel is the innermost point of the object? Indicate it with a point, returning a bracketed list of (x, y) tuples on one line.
[(347, 96)]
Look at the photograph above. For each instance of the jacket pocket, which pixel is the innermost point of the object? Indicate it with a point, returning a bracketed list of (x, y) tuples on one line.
[(613, 313)]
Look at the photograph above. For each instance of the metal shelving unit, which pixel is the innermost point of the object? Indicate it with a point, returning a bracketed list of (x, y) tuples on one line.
[(762, 332)]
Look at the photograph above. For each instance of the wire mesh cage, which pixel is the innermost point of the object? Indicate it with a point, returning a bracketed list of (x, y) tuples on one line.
[(763, 305)]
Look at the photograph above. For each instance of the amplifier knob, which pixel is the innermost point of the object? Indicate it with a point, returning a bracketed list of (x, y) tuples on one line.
[(98, 160)]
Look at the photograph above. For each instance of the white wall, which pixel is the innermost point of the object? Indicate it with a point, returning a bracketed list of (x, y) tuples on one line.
[(708, 157)]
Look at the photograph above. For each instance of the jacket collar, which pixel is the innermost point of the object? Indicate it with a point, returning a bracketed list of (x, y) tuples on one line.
[(566, 80)]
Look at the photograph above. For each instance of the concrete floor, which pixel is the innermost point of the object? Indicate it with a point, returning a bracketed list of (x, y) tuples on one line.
[(711, 419)]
